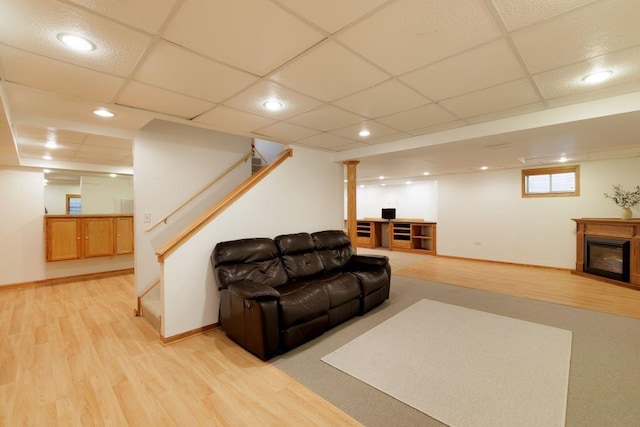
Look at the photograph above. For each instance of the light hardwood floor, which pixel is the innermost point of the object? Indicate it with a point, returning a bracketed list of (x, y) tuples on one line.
[(73, 354)]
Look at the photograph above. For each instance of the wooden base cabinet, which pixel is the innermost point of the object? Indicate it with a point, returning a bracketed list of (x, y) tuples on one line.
[(87, 236)]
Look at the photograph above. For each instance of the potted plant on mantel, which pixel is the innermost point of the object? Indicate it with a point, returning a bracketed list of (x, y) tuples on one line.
[(625, 199)]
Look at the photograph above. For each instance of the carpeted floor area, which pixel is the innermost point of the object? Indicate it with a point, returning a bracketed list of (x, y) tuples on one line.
[(604, 378)]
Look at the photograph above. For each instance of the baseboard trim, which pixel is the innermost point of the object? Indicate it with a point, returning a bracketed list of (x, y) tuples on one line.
[(68, 279), (188, 334), (504, 262)]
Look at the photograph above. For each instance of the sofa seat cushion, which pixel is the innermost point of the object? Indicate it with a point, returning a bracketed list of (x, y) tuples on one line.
[(372, 280), (341, 287), (300, 302)]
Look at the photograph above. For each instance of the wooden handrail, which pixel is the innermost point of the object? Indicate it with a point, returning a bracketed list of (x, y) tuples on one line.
[(220, 207), (202, 190)]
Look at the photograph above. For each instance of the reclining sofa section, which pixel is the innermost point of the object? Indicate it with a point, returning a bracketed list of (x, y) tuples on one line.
[(276, 294)]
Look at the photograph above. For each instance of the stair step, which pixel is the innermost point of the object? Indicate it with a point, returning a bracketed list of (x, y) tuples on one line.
[(151, 308)]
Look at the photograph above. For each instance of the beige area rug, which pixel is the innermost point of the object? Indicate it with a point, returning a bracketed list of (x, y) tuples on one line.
[(465, 367)]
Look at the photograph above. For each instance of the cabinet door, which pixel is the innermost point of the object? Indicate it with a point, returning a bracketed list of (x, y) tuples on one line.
[(98, 237), (124, 235), (63, 239)]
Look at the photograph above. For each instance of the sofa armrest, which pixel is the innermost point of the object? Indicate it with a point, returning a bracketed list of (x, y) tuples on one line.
[(368, 261), (253, 291)]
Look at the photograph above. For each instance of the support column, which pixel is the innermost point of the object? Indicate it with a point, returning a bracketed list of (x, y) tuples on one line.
[(352, 229)]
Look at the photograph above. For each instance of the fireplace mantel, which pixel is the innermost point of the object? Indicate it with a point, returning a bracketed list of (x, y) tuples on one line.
[(628, 229)]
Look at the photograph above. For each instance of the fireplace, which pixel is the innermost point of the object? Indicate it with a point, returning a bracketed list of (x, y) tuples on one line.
[(607, 257)]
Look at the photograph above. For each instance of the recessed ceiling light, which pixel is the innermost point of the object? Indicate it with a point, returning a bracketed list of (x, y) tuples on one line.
[(383, 184), (112, 175), (76, 42), (273, 105), (47, 157), (408, 182), (51, 144), (103, 113), (361, 185), (46, 170), (381, 177), (597, 77), (484, 168), (562, 159), (425, 173), (345, 181), (364, 133)]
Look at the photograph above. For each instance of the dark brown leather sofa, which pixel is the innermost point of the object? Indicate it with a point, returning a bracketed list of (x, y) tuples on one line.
[(276, 294)]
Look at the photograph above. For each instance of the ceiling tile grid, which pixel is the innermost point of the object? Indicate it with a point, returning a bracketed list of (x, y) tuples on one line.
[(401, 68)]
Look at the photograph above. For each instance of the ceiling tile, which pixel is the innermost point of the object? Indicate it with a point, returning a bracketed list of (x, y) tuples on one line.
[(326, 118), (502, 97), (325, 140), (254, 35), (44, 134), (381, 100), (410, 34), (177, 69), (350, 146), (516, 13), (376, 130), (508, 112), (55, 76), (387, 138), (227, 119), (34, 25), (146, 15), (438, 128), (568, 80), (593, 30), (35, 106), (420, 117), (151, 98), (286, 131), (331, 15), (604, 92), (253, 99), (108, 141), (482, 67), (329, 72)]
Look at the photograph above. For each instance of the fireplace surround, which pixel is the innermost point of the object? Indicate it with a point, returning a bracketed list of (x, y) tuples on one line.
[(608, 249)]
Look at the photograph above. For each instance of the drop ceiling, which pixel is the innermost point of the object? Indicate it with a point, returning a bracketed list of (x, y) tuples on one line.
[(443, 86)]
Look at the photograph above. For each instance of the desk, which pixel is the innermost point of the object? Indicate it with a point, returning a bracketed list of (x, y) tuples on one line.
[(408, 235)]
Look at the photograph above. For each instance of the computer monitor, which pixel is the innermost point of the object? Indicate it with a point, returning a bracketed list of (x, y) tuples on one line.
[(389, 213)]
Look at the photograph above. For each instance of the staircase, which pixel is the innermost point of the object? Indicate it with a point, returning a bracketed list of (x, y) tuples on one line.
[(256, 164), (151, 308)]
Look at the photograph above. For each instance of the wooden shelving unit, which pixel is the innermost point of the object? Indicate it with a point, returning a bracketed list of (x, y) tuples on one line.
[(369, 234), (419, 237), (404, 235)]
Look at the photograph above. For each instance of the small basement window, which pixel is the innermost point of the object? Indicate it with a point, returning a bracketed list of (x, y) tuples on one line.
[(561, 181)]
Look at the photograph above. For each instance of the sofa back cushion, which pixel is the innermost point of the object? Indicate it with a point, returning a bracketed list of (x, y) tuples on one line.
[(299, 255), (334, 248), (255, 260)]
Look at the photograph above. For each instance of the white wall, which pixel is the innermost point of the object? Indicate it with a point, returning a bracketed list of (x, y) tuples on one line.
[(55, 197), (102, 195), (304, 194), (416, 200), (21, 220), (171, 163), (482, 215)]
